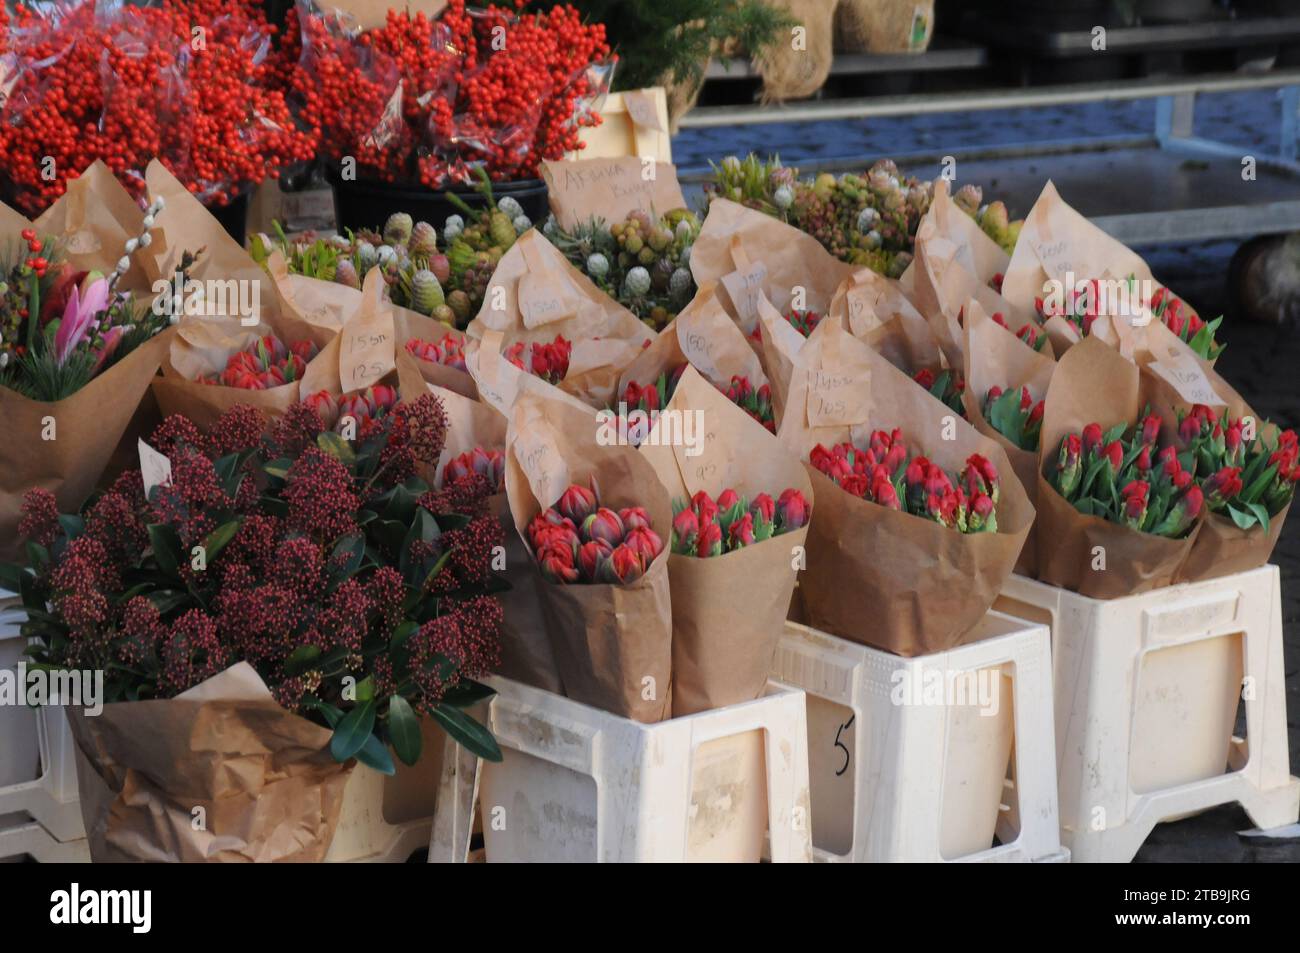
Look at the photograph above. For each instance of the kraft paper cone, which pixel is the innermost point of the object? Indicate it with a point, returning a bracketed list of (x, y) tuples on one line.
[(610, 189), (264, 777), (541, 296), (997, 358), (85, 429), (877, 313), (749, 252), (613, 644), (1056, 241), (1094, 383), (728, 611), (780, 349), (95, 218), (704, 336), (878, 576)]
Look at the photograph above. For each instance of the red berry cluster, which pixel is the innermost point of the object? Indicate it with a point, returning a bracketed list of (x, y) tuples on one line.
[(491, 87), (193, 83)]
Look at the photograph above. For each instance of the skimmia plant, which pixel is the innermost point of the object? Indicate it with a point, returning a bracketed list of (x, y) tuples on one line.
[(360, 595)]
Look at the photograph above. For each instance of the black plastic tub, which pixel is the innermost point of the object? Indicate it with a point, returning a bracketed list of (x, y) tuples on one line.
[(367, 203), (233, 216)]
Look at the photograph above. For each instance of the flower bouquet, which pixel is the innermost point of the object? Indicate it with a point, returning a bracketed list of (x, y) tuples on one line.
[(197, 85), (594, 517), (1006, 386), (867, 220), (79, 337), (741, 508), (1116, 515), (423, 99), (554, 322), (896, 493), (308, 594)]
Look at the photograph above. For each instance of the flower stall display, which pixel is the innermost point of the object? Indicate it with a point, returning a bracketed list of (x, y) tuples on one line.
[(307, 593), (425, 100), (867, 220), (595, 518), (1006, 389), (545, 299), (197, 85), (79, 336), (1131, 497), (896, 493), (704, 336), (641, 262), (741, 505)]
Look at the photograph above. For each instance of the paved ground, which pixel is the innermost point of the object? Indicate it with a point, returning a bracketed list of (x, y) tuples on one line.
[(1261, 362)]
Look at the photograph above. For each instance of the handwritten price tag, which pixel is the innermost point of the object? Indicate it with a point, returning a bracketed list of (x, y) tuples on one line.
[(743, 286), (713, 468), (366, 351), (1186, 376), (698, 350), (543, 466), (155, 468), (837, 399), (543, 300), (863, 314)]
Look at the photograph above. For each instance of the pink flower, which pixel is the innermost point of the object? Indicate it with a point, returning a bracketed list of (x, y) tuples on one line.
[(79, 317)]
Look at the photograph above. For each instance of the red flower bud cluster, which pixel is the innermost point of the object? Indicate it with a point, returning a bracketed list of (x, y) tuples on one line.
[(1015, 415), (654, 396), (884, 474), (196, 84), (757, 402), (1243, 476), (805, 322), (1030, 333), (359, 413), (1128, 480), (488, 464), (429, 98), (947, 385), (1178, 316), (450, 351), (550, 361), (579, 541), (264, 364), (703, 526)]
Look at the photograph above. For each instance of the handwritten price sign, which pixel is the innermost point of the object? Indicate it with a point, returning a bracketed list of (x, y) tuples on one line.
[(837, 399), (366, 351), (1186, 376), (743, 286)]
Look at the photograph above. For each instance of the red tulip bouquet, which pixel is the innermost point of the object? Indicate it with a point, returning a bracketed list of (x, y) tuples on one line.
[(196, 84), (930, 485), (309, 592), (1247, 469), (742, 507), (945, 384), (594, 517), (426, 100)]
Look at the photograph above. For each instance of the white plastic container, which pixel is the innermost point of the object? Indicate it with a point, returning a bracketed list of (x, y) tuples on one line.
[(579, 784), (1147, 695), (912, 759), (40, 815)]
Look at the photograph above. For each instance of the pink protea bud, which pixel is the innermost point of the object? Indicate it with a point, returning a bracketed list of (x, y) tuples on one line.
[(590, 556), (686, 531), (622, 567), (710, 541), (791, 510), (604, 524), (577, 503), (645, 542)]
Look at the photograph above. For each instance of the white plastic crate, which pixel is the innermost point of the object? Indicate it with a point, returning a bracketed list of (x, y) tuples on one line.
[(902, 771), (579, 784), (1147, 695), (40, 815)]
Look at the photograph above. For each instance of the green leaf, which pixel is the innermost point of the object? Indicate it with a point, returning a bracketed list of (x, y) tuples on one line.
[(468, 733), (467, 692), (11, 577), (38, 556), (72, 525), (337, 447), (278, 468), (404, 729), (166, 547), (351, 733), (219, 538), (403, 632), (1252, 493), (366, 689), (374, 754), (301, 660), (1261, 513), (1242, 519)]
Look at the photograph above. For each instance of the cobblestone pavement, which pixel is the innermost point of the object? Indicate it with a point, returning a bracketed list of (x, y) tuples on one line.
[(1260, 361)]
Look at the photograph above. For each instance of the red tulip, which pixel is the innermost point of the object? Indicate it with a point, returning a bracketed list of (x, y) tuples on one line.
[(557, 566), (741, 533), (1222, 486), (590, 556), (604, 524), (623, 566), (577, 503), (1091, 438), (686, 531), (710, 541), (645, 542), (704, 506), (633, 517)]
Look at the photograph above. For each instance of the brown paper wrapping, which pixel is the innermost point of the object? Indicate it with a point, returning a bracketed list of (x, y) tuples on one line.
[(543, 296), (878, 576), (264, 777), (94, 218), (735, 238), (779, 351), (1056, 240), (877, 312), (613, 644), (997, 358), (610, 189), (729, 610), (1094, 383)]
